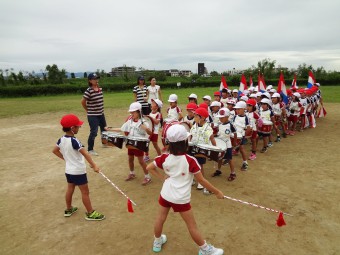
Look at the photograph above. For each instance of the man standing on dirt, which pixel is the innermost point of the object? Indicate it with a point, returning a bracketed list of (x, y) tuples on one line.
[(93, 103)]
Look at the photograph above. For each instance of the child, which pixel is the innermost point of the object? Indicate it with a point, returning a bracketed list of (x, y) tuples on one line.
[(214, 108), (242, 125), (174, 112), (265, 122), (294, 112), (156, 116), (230, 105), (179, 169), (190, 117), (235, 95), (279, 115), (224, 97), (202, 133), (134, 127), (192, 98), (225, 129), (253, 117), (70, 149)]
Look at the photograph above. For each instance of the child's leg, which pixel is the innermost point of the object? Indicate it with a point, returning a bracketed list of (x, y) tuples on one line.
[(161, 218), (131, 163), (155, 145), (232, 166), (265, 141), (243, 153), (190, 221), (253, 145), (85, 196), (142, 164), (69, 194)]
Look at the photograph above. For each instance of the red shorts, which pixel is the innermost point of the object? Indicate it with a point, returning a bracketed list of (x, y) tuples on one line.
[(175, 207), (254, 135), (135, 152), (293, 118), (154, 138)]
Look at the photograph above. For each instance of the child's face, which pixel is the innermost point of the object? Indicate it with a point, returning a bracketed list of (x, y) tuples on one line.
[(190, 113), (264, 106), (217, 98), (235, 94), (154, 106), (173, 104), (224, 95), (258, 99), (215, 109), (198, 119), (239, 111), (75, 129), (275, 100), (230, 106), (135, 115), (224, 119), (249, 108), (207, 101)]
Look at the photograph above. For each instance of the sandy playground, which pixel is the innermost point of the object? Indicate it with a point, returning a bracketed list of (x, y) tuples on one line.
[(299, 176)]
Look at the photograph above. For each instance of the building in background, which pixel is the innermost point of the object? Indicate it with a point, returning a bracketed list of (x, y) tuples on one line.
[(123, 70), (201, 69)]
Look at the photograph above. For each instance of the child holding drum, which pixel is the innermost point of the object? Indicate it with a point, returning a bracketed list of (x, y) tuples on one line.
[(179, 170), (202, 133), (70, 149), (265, 123), (225, 130), (134, 128)]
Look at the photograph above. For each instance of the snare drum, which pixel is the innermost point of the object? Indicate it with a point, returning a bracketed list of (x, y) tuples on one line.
[(191, 148), (209, 151), (265, 129), (139, 143), (115, 139), (166, 127)]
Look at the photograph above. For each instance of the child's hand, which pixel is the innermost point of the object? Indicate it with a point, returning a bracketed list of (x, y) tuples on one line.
[(95, 168), (219, 195)]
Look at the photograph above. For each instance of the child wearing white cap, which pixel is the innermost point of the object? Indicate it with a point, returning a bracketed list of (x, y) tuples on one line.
[(280, 115), (174, 113), (179, 170), (192, 98), (134, 127), (225, 130), (265, 122), (214, 108), (294, 112), (235, 94)]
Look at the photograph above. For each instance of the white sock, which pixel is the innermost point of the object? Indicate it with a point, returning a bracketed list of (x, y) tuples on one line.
[(147, 176), (204, 246), (132, 172), (245, 162)]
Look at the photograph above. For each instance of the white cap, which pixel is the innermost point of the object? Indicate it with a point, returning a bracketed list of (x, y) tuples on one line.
[(193, 96), (223, 112), (297, 94), (276, 95), (158, 102), (266, 94), (135, 107), (272, 91), (269, 87), (231, 101), (235, 90), (266, 101), (173, 98), (240, 104), (207, 97), (246, 92), (251, 88), (258, 94), (256, 89), (177, 133), (317, 84), (252, 95), (229, 91), (215, 103), (244, 98)]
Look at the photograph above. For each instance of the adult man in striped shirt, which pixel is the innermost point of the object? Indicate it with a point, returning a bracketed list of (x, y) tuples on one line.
[(93, 103)]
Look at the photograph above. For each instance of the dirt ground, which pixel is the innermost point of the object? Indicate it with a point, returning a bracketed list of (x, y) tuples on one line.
[(299, 176)]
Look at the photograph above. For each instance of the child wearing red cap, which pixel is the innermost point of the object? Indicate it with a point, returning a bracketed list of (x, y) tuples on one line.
[(189, 118), (179, 170), (70, 149), (202, 133)]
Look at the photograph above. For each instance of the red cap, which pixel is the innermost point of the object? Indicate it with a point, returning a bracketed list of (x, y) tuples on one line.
[(202, 112), (217, 93), (251, 102), (192, 106), (203, 105), (70, 120)]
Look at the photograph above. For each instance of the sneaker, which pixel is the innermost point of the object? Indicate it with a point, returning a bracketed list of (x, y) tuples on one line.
[(206, 192), (69, 212), (264, 149), (199, 186), (278, 139), (225, 162), (94, 216), (270, 144), (216, 173), (252, 156), (146, 181), (130, 177), (157, 244), (244, 166), (93, 153), (146, 158), (211, 251)]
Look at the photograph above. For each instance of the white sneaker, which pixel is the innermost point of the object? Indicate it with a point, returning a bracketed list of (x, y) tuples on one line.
[(157, 244), (206, 192), (211, 251), (93, 153), (199, 186)]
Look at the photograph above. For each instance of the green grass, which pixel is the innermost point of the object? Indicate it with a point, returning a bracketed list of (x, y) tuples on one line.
[(11, 107)]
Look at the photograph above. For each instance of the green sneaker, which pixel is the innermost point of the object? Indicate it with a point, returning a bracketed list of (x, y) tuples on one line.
[(69, 212), (94, 216)]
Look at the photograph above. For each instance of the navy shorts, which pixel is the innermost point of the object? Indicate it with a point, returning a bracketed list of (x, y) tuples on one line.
[(228, 154), (80, 179), (201, 160)]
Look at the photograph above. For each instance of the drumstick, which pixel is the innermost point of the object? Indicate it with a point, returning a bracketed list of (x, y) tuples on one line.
[(116, 187)]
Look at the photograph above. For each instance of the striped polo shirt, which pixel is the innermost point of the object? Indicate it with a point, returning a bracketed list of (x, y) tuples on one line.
[(94, 101), (141, 93)]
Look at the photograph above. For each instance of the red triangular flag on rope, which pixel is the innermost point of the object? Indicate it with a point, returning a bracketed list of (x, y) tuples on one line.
[(129, 206), (280, 220)]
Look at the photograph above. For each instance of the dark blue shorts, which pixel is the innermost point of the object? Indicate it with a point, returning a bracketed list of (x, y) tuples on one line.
[(228, 154), (201, 161), (80, 179)]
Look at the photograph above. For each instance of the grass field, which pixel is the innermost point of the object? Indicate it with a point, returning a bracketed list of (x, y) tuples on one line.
[(11, 107)]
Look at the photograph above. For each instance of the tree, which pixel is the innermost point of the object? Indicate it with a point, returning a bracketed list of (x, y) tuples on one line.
[(214, 73), (55, 76), (73, 76), (266, 67), (85, 75), (303, 70)]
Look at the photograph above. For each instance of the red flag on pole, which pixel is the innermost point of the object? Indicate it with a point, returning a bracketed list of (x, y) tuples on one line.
[(223, 84)]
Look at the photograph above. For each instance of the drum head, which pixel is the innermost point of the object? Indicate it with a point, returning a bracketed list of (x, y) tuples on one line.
[(136, 138), (221, 144), (209, 147), (186, 125)]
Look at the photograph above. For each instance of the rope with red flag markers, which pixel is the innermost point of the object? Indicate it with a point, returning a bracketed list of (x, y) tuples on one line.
[(255, 205), (120, 191)]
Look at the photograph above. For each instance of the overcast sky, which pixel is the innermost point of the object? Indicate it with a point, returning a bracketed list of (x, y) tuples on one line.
[(82, 35)]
